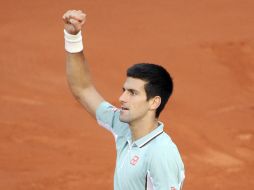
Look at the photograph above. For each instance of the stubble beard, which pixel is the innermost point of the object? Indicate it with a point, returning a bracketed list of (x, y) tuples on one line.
[(125, 117)]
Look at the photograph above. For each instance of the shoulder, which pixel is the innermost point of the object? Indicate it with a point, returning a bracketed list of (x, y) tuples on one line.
[(107, 116), (164, 149), (162, 143)]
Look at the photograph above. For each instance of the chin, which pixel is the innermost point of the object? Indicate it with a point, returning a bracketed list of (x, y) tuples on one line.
[(124, 120)]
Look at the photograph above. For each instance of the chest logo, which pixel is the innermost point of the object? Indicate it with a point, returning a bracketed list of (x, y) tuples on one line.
[(134, 160)]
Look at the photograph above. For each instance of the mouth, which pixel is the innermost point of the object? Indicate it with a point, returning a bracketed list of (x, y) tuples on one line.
[(124, 108)]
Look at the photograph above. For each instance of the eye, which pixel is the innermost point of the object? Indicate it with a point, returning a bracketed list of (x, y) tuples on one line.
[(132, 92)]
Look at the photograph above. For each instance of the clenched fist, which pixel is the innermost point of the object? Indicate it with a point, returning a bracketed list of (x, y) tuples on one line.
[(73, 21)]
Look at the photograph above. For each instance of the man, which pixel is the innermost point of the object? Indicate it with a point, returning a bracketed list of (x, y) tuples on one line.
[(146, 156)]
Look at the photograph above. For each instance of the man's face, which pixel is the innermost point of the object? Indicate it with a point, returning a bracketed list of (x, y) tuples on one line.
[(134, 104)]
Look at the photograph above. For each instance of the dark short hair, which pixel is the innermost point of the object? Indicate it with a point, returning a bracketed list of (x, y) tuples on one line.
[(159, 82)]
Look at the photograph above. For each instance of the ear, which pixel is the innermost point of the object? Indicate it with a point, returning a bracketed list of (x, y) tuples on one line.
[(155, 102)]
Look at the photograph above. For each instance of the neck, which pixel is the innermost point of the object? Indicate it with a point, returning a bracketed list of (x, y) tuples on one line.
[(141, 128)]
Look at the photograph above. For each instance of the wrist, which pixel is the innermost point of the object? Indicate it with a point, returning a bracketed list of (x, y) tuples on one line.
[(73, 43)]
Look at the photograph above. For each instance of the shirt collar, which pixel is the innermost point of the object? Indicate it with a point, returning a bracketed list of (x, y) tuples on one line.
[(150, 136)]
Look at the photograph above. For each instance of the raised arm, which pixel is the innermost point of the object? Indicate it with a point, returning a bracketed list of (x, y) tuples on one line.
[(78, 74)]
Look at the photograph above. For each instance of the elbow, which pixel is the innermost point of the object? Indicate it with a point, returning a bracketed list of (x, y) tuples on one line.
[(76, 92)]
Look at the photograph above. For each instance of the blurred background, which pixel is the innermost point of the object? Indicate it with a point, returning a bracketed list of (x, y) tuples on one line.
[(48, 141)]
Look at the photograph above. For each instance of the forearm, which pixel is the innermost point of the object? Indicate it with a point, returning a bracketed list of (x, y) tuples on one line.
[(78, 74)]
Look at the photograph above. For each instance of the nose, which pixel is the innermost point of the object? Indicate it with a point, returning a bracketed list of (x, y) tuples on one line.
[(123, 97)]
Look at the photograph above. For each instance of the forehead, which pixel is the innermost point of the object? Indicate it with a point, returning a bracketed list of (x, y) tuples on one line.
[(134, 83)]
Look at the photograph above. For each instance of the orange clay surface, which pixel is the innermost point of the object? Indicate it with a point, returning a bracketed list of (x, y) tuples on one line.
[(49, 142)]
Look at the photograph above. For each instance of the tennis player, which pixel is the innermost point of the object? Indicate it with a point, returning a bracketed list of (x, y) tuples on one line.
[(147, 158)]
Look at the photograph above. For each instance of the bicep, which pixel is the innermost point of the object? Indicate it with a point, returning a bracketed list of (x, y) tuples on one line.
[(90, 99)]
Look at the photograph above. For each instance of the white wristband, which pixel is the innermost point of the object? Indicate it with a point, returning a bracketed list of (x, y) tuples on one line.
[(73, 43)]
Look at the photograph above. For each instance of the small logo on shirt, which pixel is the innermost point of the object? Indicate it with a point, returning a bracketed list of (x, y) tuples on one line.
[(134, 160), (172, 188)]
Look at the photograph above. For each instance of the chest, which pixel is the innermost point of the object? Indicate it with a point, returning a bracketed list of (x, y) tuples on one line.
[(131, 164)]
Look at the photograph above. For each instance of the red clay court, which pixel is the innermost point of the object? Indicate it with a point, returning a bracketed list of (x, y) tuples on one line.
[(48, 141)]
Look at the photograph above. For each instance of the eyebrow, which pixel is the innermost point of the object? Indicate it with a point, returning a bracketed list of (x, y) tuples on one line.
[(130, 90)]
